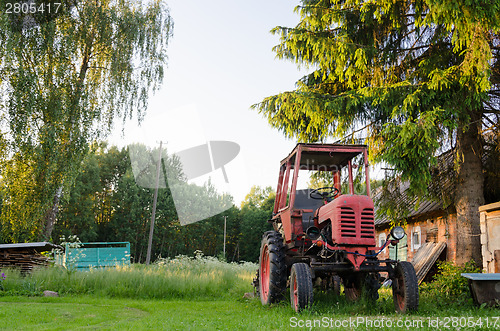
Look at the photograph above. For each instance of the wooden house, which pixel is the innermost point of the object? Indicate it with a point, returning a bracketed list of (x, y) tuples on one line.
[(432, 235)]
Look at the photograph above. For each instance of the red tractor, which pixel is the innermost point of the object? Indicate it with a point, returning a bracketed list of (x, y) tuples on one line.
[(323, 237)]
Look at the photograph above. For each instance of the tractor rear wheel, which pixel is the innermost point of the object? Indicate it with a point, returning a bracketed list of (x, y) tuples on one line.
[(336, 280), (405, 288), (301, 287), (272, 268), (353, 288), (362, 285), (331, 283)]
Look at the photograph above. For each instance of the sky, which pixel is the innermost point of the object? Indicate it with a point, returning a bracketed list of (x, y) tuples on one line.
[(220, 62)]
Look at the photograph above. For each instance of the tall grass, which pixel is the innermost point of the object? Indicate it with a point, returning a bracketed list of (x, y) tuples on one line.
[(181, 277)]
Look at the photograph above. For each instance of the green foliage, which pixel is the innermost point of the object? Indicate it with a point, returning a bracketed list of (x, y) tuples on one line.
[(63, 83), (223, 311), (78, 312), (259, 197), (449, 285), (106, 204), (195, 292), (16, 283), (2, 278), (256, 210), (320, 179), (89, 203)]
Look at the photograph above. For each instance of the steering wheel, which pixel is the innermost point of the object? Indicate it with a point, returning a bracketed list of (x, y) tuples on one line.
[(329, 193)]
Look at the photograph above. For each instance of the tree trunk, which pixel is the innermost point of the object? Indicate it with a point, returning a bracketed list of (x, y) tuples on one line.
[(469, 191), (50, 216)]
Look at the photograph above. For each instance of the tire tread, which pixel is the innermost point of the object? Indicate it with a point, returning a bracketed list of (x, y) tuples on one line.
[(411, 297), (277, 266), (302, 272)]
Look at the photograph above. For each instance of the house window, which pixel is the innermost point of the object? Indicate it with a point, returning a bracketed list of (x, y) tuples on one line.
[(416, 238), (381, 239)]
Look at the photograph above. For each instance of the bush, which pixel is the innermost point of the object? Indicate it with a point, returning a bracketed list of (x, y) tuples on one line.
[(449, 285)]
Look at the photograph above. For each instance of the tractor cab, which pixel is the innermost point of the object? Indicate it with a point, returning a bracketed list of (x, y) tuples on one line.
[(298, 211)]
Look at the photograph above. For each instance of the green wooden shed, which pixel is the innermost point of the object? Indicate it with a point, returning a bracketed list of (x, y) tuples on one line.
[(97, 254)]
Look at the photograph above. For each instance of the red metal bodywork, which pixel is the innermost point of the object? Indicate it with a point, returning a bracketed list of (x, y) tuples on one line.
[(350, 216), (352, 220)]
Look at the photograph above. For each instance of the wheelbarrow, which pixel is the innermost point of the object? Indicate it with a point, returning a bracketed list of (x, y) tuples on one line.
[(485, 288)]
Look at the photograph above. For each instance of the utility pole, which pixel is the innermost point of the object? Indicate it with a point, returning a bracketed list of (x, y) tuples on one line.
[(153, 214), (225, 218)]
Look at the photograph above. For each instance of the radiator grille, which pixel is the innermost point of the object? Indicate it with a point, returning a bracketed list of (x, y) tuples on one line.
[(367, 223), (347, 222), (348, 228)]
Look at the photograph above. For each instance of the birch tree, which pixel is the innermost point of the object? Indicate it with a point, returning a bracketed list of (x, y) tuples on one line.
[(65, 77)]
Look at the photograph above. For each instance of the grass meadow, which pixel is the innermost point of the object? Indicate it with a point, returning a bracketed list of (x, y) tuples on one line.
[(203, 293), (180, 278)]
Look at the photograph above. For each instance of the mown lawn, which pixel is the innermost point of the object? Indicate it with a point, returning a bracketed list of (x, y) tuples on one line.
[(91, 312), (88, 312)]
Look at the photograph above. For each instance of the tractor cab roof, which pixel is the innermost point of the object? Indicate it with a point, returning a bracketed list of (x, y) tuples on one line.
[(323, 156)]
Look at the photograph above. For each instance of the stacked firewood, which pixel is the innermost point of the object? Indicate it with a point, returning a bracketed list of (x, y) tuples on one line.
[(24, 259)]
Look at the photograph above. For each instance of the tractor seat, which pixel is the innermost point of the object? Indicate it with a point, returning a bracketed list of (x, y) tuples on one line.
[(304, 201)]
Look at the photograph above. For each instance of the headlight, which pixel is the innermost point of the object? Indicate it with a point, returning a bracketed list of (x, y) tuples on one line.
[(397, 232)]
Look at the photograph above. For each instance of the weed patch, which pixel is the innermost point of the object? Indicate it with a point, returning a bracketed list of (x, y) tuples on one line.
[(449, 287), (182, 277)]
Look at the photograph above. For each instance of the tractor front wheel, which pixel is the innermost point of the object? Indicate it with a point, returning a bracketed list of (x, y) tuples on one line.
[(405, 288), (272, 268), (301, 287), (331, 283)]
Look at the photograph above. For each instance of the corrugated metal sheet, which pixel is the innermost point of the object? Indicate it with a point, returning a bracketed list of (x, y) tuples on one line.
[(37, 246), (425, 206), (425, 258)]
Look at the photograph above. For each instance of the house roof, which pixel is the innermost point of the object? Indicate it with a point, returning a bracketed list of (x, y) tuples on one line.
[(424, 207), (443, 182)]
